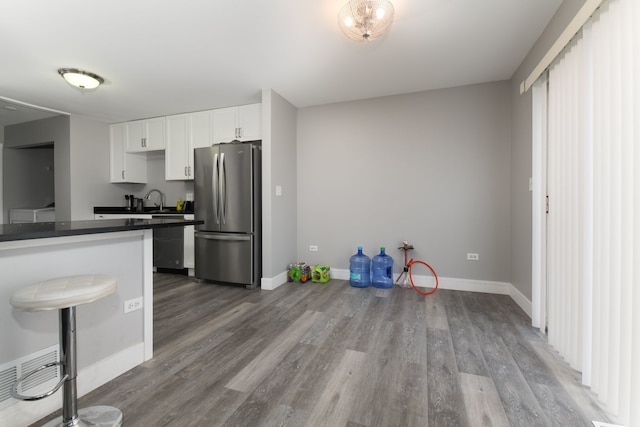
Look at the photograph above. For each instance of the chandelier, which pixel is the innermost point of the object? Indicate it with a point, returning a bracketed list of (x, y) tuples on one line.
[(364, 20)]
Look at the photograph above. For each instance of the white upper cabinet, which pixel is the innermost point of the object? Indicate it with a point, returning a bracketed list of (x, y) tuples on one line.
[(125, 167), (176, 161), (201, 128), (242, 123), (185, 132), (145, 135), (250, 122)]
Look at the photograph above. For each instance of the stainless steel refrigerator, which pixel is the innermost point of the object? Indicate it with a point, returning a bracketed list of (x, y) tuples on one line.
[(227, 197)]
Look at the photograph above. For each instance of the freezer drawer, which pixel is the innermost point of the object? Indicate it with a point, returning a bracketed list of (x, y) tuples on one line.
[(225, 258)]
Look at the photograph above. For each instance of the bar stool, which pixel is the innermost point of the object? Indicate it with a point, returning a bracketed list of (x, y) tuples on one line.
[(64, 294)]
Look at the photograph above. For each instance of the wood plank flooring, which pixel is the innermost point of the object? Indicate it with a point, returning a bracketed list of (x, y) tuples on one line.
[(332, 355)]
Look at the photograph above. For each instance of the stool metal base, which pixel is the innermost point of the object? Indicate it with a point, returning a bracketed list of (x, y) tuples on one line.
[(94, 416)]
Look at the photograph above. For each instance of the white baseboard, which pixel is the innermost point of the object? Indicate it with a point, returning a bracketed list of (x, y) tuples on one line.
[(270, 284), (89, 378), (451, 283), (521, 300)]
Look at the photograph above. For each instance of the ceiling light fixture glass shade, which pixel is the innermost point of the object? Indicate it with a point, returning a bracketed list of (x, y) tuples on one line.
[(364, 20), (80, 78)]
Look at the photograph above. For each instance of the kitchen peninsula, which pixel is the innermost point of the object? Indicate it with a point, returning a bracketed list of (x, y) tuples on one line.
[(110, 342)]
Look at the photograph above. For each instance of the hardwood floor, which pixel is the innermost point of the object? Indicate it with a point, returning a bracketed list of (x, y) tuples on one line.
[(332, 355)]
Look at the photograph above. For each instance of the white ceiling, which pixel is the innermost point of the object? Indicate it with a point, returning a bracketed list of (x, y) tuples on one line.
[(162, 57)]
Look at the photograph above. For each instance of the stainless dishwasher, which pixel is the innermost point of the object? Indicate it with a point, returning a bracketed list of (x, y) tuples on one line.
[(168, 245)]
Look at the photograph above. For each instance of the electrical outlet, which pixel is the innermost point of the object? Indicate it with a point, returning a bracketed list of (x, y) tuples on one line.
[(313, 248), (473, 257), (133, 305)]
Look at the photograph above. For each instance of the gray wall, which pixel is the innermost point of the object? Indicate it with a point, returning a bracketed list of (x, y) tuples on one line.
[(30, 175), (432, 168), (81, 165), (173, 190), (279, 220), (46, 131), (521, 149), (89, 167)]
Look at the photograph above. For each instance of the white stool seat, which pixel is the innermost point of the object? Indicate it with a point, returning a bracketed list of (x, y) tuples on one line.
[(63, 292)]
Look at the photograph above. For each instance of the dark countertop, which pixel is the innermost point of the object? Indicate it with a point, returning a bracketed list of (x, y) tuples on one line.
[(40, 230), (171, 210)]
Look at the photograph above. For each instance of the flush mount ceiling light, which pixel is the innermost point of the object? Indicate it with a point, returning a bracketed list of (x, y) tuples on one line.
[(80, 78), (364, 20)]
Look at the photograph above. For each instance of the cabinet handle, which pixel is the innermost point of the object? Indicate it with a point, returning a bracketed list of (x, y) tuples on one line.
[(185, 171), (122, 173), (189, 171)]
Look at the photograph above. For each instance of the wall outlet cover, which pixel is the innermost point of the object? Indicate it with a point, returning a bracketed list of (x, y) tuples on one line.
[(133, 304)]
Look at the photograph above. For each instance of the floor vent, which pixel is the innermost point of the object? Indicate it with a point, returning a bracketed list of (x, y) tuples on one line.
[(36, 384), (7, 378)]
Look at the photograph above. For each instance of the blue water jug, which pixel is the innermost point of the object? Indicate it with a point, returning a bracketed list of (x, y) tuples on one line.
[(382, 270), (359, 270)]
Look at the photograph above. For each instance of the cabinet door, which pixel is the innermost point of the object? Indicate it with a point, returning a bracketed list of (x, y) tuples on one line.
[(145, 135), (154, 134), (176, 153), (200, 134), (134, 136), (201, 129), (116, 154), (125, 167), (225, 125), (250, 122)]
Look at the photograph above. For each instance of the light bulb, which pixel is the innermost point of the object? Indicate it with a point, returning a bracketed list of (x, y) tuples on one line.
[(380, 13), (348, 21)]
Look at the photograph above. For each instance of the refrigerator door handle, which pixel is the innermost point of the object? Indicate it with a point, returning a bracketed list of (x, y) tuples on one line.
[(223, 190), (214, 188), (222, 236)]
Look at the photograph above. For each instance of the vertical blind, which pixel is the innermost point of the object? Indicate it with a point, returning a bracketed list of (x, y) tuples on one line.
[(565, 219), (592, 134)]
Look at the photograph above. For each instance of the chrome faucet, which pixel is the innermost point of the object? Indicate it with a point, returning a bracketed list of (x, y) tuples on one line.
[(146, 197)]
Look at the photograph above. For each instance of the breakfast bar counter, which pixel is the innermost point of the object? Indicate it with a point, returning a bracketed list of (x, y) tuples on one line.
[(38, 230), (110, 341)]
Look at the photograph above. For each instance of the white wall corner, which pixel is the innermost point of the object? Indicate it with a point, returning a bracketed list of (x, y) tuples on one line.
[(269, 284), (519, 298)]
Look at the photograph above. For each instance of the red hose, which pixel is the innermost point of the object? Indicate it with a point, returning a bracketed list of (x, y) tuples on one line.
[(411, 262)]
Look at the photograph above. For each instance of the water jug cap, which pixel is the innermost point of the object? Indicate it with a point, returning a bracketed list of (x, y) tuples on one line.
[(360, 248)]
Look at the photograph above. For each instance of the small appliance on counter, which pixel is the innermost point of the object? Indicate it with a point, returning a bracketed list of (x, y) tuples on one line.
[(134, 204)]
